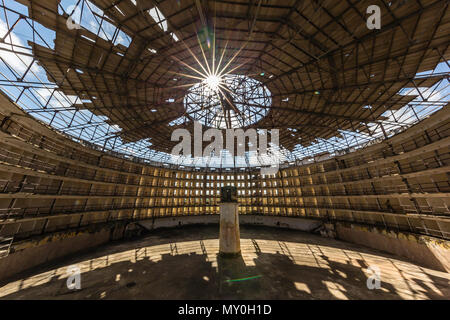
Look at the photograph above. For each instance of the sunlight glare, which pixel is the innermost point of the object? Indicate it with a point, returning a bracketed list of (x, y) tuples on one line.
[(213, 82)]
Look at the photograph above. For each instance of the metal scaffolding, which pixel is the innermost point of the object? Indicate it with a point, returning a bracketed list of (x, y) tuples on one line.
[(120, 77)]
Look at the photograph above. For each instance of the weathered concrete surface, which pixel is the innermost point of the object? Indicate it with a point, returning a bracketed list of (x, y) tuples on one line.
[(46, 249), (229, 236), (169, 222), (296, 223), (430, 252), (183, 263)]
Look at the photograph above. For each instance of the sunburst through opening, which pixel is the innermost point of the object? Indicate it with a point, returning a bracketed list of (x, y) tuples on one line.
[(213, 81), (228, 101)]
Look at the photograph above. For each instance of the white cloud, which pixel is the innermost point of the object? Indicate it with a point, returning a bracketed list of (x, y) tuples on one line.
[(16, 61)]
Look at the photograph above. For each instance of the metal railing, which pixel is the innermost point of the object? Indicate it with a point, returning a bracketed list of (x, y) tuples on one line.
[(5, 246)]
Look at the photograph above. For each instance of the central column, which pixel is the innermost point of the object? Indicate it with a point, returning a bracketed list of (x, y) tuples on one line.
[(229, 239)]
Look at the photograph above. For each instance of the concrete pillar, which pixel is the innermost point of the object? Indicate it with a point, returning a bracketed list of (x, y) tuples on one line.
[(229, 240)]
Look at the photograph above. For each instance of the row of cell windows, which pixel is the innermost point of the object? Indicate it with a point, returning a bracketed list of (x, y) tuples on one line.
[(216, 192)]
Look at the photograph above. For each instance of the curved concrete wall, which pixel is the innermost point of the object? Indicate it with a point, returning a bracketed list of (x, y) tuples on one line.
[(43, 250), (306, 225), (424, 251)]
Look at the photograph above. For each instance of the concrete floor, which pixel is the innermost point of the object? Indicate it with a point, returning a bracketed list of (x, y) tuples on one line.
[(182, 263)]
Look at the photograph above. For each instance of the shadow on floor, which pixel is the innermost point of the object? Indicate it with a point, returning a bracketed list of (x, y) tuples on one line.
[(192, 276)]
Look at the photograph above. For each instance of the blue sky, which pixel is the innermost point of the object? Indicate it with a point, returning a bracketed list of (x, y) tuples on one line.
[(42, 98)]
